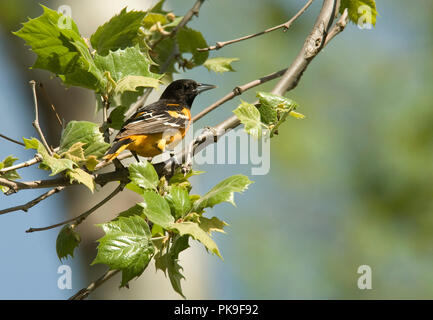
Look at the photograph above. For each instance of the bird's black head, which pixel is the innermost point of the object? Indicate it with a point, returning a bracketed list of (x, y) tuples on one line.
[(185, 90)]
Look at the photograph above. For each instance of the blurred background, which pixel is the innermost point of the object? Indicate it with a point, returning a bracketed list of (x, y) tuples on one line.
[(350, 185)]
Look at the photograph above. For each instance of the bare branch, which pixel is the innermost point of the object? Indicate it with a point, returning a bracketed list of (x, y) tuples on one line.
[(186, 18), (32, 203), (83, 293), (338, 27), (25, 164), (312, 46), (11, 140), (51, 104), (36, 121), (238, 91), (100, 178), (77, 220), (285, 26)]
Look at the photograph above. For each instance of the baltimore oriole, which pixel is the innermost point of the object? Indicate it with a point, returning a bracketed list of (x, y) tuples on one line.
[(151, 128)]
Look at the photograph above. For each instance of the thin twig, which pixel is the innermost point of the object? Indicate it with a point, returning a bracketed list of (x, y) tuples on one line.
[(338, 27), (32, 203), (186, 18), (83, 293), (36, 121), (50, 103), (99, 178), (25, 164), (11, 140), (238, 91), (312, 46), (77, 220), (285, 26)]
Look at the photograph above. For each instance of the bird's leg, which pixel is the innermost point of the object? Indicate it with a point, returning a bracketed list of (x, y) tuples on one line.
[(118, 164), (135, 156)]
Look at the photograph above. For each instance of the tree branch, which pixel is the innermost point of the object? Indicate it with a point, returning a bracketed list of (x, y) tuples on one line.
[(32, 203), (100, 178), (312, 46), (36, 121), (338, 27), (11, 140), (77, 220), (186, 18), (51, 104), (238, 91), (83, 293), (25, 164), (285, 26)]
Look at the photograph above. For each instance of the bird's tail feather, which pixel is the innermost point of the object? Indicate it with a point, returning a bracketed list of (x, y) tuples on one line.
[(116, 149)]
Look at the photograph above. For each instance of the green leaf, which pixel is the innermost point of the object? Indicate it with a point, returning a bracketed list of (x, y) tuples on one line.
[(179, 177), (131, 83), (188, 41), (213, 224), (158, 7), (123, 63), (143, 174), (66, 242), (153, 18), (169, 262), (126, 246), (87, 133), (162, 53), (91, 163), (194, 230), (8, 162), (82, 177), (126, 62), (156, 209), (220, 64), (118, 33), (358, 8), (55, 164), (61, 49), (117, 117), (178, 199), (75, 153), (136, 210), (10, 175), (222, 192), (274, 110), (249, 116)]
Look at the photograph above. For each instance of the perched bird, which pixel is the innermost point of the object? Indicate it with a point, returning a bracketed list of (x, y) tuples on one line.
[(166, 121)]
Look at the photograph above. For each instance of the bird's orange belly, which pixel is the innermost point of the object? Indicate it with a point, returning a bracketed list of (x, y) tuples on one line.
[(154, 144)]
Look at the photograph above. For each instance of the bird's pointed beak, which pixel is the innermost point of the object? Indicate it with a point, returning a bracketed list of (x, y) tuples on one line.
[(204, 87)]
